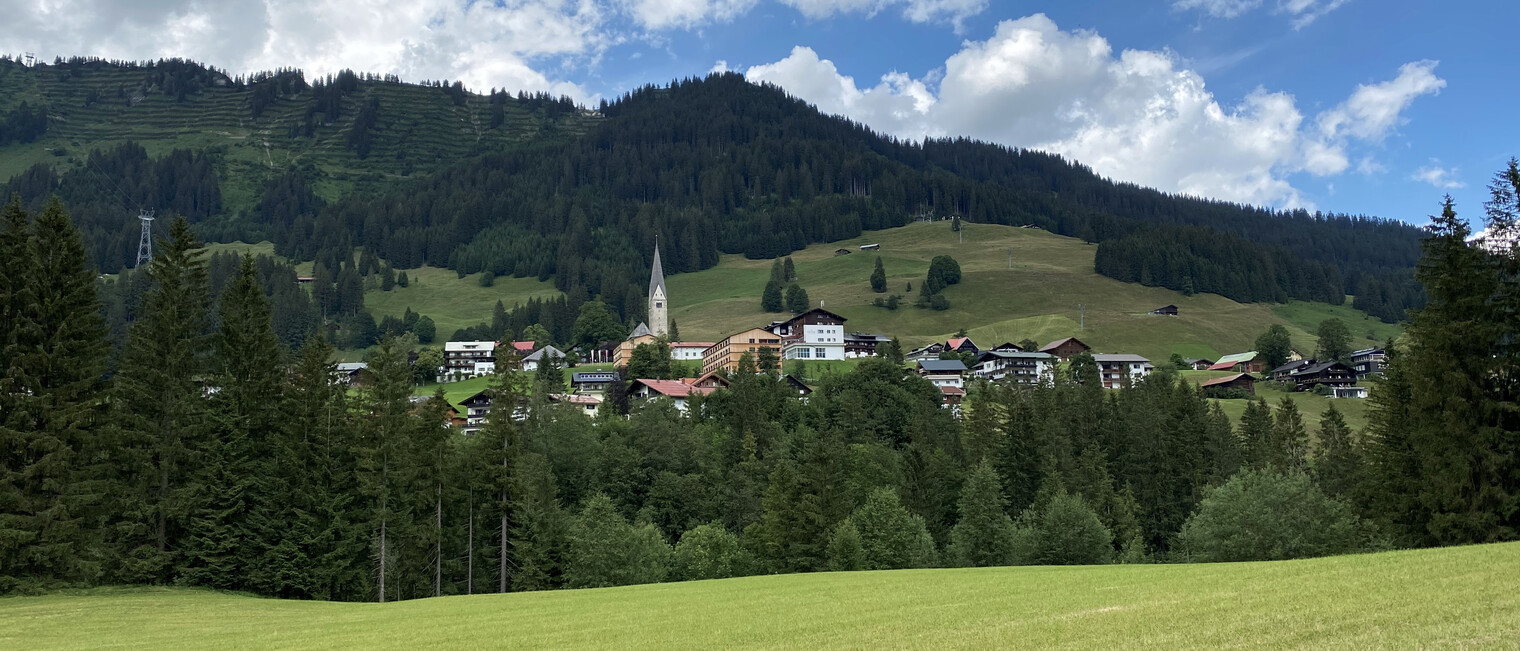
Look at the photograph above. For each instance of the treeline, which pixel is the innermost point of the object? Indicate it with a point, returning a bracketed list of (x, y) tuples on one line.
[(214, 457), (23, 124)]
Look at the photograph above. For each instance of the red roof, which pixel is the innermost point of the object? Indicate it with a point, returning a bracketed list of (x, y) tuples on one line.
[(523, 346), (958, 342), (1228, 379), (673, 388), (952, 391), (1223, 366)]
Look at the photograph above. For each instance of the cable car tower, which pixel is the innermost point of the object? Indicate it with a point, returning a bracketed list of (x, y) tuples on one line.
[(145, 245)]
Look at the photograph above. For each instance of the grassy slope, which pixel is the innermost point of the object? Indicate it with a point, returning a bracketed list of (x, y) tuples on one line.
[(418, 129), (1460, 597), (1038, 298)]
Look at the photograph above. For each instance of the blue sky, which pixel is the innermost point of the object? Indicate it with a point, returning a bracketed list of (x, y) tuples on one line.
[(1340, 105)]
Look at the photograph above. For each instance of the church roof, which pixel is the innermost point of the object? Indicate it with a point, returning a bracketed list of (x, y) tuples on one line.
[(641, 331), (656, 274)]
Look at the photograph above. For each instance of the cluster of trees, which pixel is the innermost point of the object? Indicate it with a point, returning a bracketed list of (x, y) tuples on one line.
[(23, 124), (1333, 343), (793, 298), (944, 271)]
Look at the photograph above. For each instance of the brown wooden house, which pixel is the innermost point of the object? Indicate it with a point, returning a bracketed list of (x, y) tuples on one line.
[(1064, 349)]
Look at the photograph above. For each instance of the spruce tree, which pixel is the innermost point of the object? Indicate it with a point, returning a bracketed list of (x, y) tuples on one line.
[(382, 462), (1256, 434), (879, 278), (1289, 441), (1337, 461), (539, 534), (984, 536), (50, 403), (797, 299), (162, 410), (1334, 341), (1274, 345), (788, 270), (891, 537), (322, 493), (771, 299)]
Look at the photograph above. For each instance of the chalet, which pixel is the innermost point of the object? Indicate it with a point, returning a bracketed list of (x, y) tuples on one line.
[(593, 383), (816, 334), (469, 358), (930, 351), (305, 280), (962, 345), (352, 373), (1285, 372), (1117, 370), (1369, 361), (1064, 349), (1198, 363), (1251, 362), (802, 389), (725, 354), (951, 398), (523, 348), (870, 247), (1169, 310), (712, 380), (531, 362), (859, 344), (1008, 347), (1014, 366), (943, 372), (839, 252), (676, 391), (1330, 374), (476, 408), (1230, 386)]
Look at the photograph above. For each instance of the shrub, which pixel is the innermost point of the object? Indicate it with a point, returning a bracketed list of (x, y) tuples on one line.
[(845, 551), (709, 551), (605, 550), (984, 536), (891, 538), (1070, 533), (1264, 516)]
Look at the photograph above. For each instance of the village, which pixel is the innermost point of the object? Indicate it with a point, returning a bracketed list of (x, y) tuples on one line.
[(818, 335)]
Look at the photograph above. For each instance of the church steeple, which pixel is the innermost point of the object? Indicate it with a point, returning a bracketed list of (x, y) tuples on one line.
[(659, 320)]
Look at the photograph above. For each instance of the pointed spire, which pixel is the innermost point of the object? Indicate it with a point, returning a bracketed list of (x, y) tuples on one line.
[(656, 273)]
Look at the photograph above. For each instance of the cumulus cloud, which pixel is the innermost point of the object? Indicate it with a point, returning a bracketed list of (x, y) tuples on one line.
[(918, 11), (1440, 177), (1136, 115), (1300, 12), (485, 44)]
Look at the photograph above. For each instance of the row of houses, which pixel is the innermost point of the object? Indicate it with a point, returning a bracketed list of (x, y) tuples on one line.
[(1335, 378), (467, 359)]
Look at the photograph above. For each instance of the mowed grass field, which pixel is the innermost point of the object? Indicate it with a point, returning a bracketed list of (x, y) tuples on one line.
[(1039, 296), (1445, 598)]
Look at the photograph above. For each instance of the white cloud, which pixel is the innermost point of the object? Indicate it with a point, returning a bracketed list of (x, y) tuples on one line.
[(1440, 177), (506, 43), (918, 11), (684, 14), (1300, 12), (1136, 116)]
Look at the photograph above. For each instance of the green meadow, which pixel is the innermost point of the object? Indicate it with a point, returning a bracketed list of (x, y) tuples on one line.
[(1017, 283), (1438, 598)]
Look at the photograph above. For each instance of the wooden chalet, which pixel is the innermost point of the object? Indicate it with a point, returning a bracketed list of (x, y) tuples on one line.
[(1064, 349), (1230, 384), (1250, 362), (1330, 374), (962, 345)]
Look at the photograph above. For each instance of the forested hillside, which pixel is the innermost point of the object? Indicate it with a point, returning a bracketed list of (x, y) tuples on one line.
[(530, 186)]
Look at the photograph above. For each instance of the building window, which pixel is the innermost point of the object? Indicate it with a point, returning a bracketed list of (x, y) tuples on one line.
[(821, 353)]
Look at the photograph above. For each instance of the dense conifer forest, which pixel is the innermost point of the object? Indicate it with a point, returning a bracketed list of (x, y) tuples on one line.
[(709, 166), (216, 455)]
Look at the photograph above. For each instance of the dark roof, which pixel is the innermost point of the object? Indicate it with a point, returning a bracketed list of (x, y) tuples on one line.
[(816, 309), (1320, 368), (1011, 354), (481, 398), (1060, 342), (595, 376), (861, 336), (656, 273), (932, 365), (1292, 366), (1229, 379)]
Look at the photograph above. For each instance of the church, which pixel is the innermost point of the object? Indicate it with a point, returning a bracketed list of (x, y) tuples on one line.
[(658, 312)]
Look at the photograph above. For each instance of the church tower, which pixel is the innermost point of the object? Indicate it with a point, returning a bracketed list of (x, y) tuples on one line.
[(659, 303)]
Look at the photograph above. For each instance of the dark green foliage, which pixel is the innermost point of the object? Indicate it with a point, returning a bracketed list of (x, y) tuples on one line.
[(788, 270), (879, 278), (1334, 341), (1266, 516), (709, 551), (539, 539), (846, 551), (1288, 443), (892, 538), (425, 330), (1274, 346), (771, 300), (939, 303), (649, 362), (1256, 435), (605, 550), (1337, 459), (1065, 531), (52, 356), (23, 124), (984, 536), (797, 299), (596, 324)]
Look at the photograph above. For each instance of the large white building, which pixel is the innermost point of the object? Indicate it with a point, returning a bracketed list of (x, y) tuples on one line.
[(469, 357), (1015, 366), (1114, 369), (816, 334)]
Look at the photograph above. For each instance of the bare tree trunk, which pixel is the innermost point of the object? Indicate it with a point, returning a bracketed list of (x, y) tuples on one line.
[(382, 561), (469, 563), (438, 558)]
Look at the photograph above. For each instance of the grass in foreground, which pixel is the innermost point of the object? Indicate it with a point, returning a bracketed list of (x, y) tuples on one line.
[(1459, 597)]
